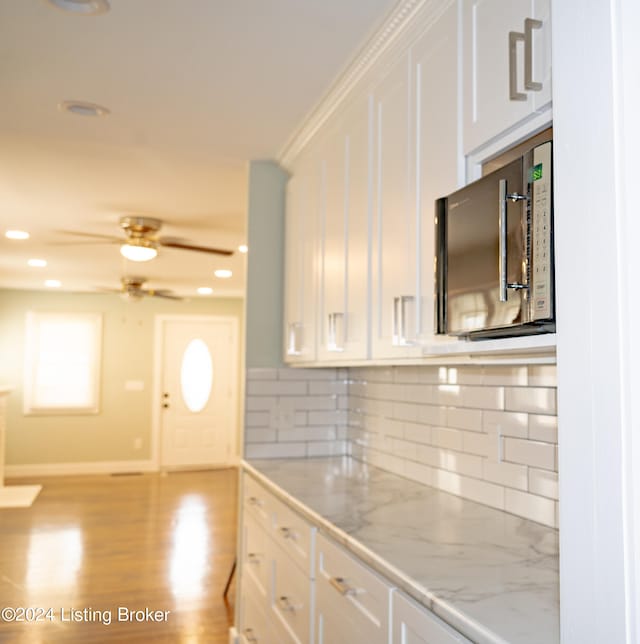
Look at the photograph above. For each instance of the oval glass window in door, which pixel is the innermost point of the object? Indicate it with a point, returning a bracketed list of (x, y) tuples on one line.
[(196, 375)]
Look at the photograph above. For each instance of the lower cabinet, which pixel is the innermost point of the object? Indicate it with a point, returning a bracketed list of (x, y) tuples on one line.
[(414, 624), (352, 601), (300, 587)]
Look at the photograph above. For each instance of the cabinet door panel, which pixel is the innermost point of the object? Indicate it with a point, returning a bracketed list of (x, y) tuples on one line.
[(394, 261), (434, 57), (301, 255), (489, 109), (414, 624)]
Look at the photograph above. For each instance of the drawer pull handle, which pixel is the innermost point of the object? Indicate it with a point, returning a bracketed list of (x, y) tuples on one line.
[(249, 636), (342, 587), (253, 557), (285, 604), (286, 533), (254, 500)]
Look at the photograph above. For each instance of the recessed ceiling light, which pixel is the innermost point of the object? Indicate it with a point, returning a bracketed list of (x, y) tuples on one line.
[(224, 273), (205, 290), (83, 108), (243, 248), (53, 283), (82, 7), (16, 234), (37, 263)]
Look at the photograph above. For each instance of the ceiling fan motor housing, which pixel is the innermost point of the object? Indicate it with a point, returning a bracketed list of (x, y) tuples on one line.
[(140, 227)]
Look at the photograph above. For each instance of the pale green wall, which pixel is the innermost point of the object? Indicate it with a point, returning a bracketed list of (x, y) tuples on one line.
[(265, 268), (128, 341)]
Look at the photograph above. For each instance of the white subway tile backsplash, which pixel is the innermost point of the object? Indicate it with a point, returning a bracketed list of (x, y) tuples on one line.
[(543, 483), (257, 419), (480, 444), (535, 400), (543, 376), (483, 397), (530, 506), (276, 388), (432, 415), (505, 474), (505, 423), (327, 387), (532, 453), (417, 433), (543, 428), (460, 418), (446, 438), (486, 433)]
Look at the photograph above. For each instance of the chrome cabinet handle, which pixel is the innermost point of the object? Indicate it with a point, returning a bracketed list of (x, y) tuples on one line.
[(255, 501), (253, 557), (529, 25), (399, 322), (294, 342), (285, 532), (249, 636), (503, 198), (285, 604), (335, 339), (502, 236), (341, 586), (514, 94)]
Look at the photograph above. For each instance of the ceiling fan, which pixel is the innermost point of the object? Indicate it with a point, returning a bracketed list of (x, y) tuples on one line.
[(141, 241), (132, 289)]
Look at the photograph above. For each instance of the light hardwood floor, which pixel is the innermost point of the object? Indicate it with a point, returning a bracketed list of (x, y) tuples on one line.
[(104, 543)]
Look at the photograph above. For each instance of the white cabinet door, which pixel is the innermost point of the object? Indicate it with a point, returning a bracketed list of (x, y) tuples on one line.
[(414, 624), (507, 65), (395, 266), (438, 167), (352, 602), (301, 256), (345, 214)]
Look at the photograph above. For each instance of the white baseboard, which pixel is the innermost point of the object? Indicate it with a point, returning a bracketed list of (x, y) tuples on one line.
[(90, 467)]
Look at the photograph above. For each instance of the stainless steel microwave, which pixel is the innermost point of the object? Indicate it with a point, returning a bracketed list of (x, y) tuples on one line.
[(494, 252)]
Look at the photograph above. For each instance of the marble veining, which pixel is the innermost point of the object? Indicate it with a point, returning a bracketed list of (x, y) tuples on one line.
[(491, 575)]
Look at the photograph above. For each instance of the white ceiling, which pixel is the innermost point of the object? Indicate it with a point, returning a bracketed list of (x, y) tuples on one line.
[(196, 89)]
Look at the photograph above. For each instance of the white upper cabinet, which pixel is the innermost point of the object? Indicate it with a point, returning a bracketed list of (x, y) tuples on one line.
[(345, 223), (395, 266), (301, 262), (416, 161), (507, 66)]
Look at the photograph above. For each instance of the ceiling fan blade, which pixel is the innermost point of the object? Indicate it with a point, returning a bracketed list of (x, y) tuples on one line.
[(105, 289), (171, 242), (161, 293), (76, 233)]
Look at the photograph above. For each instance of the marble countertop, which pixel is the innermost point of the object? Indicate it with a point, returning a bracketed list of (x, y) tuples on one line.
[(491, 575)]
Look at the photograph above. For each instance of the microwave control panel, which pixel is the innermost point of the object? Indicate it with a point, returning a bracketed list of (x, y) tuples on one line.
[(541, 287)]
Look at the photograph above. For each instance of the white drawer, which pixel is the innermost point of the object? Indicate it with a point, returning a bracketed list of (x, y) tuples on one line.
[(256, 555), (257, 501), (254, 625), (292, 599), (352, 602), (294, 535), (415, 624)]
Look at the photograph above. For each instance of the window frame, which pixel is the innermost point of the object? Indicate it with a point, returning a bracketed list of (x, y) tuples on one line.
[(33, 321)]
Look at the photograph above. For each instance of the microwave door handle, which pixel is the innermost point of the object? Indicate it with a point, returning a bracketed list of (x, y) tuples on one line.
[(502, 235)]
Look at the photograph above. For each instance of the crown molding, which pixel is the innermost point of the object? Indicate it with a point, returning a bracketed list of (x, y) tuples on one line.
[(399, 21)]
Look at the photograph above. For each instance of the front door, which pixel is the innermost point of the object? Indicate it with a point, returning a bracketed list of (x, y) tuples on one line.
[(199, 391)]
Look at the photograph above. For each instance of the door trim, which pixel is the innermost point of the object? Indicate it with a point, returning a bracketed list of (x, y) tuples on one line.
[(156, 396)]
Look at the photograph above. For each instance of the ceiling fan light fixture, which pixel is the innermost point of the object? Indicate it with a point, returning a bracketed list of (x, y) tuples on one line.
[(141, 250), (223, 273), (243, 248), (82, 7), (205, 290), (17, 234)]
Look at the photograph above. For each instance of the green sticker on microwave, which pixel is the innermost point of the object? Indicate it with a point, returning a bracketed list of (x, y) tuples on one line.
[(536, 172)]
